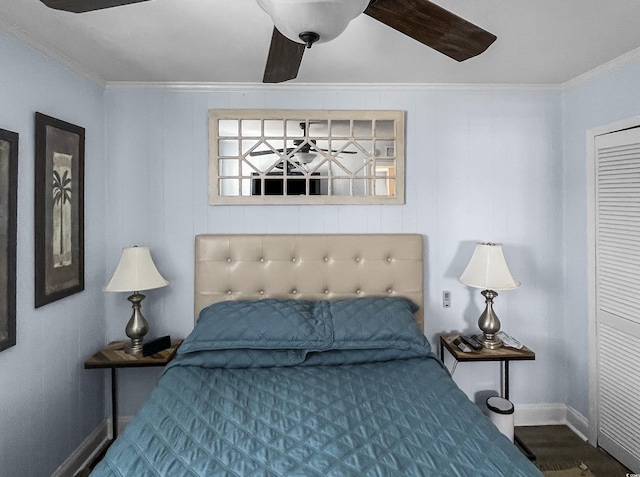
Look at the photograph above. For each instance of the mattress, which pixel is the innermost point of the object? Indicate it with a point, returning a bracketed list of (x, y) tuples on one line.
[(330, 400)]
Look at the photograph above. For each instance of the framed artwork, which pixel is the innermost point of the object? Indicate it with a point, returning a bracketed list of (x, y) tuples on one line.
[(59, 209), (8, 236)]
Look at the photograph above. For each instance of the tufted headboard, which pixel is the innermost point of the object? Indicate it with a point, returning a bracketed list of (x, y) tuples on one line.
[(311, 267)]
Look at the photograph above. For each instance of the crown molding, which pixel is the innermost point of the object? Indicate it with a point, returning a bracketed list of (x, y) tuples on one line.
[(25, 37), (602, 70), (356, 87)]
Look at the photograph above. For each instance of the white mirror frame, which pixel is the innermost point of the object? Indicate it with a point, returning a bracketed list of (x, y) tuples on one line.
[(234, 135)]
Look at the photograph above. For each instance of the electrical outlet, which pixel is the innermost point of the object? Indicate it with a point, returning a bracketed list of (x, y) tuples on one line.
[(446, 298)]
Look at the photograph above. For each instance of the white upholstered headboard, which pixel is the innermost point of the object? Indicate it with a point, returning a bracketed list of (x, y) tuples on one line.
[(311, 267)]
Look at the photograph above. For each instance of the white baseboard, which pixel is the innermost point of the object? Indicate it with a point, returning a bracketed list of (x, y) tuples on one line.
[(85, 452), (540, 414), (525, 415), (89, 448), (551, 414), (578, 423)]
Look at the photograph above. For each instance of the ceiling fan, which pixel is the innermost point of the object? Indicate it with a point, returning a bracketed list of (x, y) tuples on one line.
[(306, 147), (304, 152), (303, 149), (300, 24)]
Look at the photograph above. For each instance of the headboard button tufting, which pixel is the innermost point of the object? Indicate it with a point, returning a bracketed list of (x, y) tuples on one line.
[(307, 266)]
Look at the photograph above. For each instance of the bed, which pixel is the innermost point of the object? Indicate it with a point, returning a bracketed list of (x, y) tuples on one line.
[(308, 359)]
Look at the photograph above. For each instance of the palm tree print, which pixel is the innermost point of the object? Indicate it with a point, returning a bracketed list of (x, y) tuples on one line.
[(61, 196)]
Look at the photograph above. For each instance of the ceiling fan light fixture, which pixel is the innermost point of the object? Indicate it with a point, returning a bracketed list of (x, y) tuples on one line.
[(326, 18), (309, 38), (305, 157)]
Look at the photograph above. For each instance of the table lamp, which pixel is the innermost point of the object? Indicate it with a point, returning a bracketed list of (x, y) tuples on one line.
[(488, 270), (135, 272)]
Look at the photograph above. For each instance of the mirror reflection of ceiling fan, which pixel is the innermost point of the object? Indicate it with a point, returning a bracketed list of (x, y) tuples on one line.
[(304, 150), (300, 146), (300, 24)]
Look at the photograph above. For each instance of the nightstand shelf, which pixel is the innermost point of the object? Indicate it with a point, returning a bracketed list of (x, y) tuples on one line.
[(503, 355), (113, 357)]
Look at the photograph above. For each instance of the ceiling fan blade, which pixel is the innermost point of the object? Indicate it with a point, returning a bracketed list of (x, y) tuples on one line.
[(284, 59), (333, 151), (434, 26), (81, 6), (263, 153), (269, 151)]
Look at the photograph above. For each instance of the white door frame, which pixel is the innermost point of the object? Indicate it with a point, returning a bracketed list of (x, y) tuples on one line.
[(591, 265)]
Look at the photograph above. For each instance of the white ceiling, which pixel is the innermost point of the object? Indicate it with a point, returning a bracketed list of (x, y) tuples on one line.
[(224, 41)]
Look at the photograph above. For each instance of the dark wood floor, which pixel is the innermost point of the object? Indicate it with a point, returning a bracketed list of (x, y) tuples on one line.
[(559, 448)]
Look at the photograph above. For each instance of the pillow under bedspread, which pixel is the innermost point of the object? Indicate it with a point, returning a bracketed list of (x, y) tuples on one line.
[(276, 332)]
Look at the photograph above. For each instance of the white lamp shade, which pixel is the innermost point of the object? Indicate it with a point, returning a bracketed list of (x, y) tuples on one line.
[(135, 272), (488, 269), (327, 18)]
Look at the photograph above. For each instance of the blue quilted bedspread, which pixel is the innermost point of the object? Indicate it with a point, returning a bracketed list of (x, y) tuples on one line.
[(295, 388), (395, 418)]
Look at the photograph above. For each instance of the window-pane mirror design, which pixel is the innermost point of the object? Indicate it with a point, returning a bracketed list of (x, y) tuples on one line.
[(306, 157)]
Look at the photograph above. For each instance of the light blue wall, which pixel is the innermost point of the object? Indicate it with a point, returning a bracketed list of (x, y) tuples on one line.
[(498, 166), (599, 102), (49, 403), (480, 166), (502, 166)]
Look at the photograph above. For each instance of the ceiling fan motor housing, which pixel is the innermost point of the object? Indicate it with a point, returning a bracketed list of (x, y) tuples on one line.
[(326, 18), (309, 38)]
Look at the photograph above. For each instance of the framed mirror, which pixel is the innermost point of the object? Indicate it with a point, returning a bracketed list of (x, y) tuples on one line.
[(306, 157)]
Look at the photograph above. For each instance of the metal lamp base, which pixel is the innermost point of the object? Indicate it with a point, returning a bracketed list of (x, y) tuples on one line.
[(137, 327), (133, 347), (489, 323), (490, 342)]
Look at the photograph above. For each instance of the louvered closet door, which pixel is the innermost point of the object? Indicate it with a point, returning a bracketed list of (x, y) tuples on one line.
[(617, 224)]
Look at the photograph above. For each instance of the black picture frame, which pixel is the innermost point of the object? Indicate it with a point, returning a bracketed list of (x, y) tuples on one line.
[(8, 236), (59, 209)]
